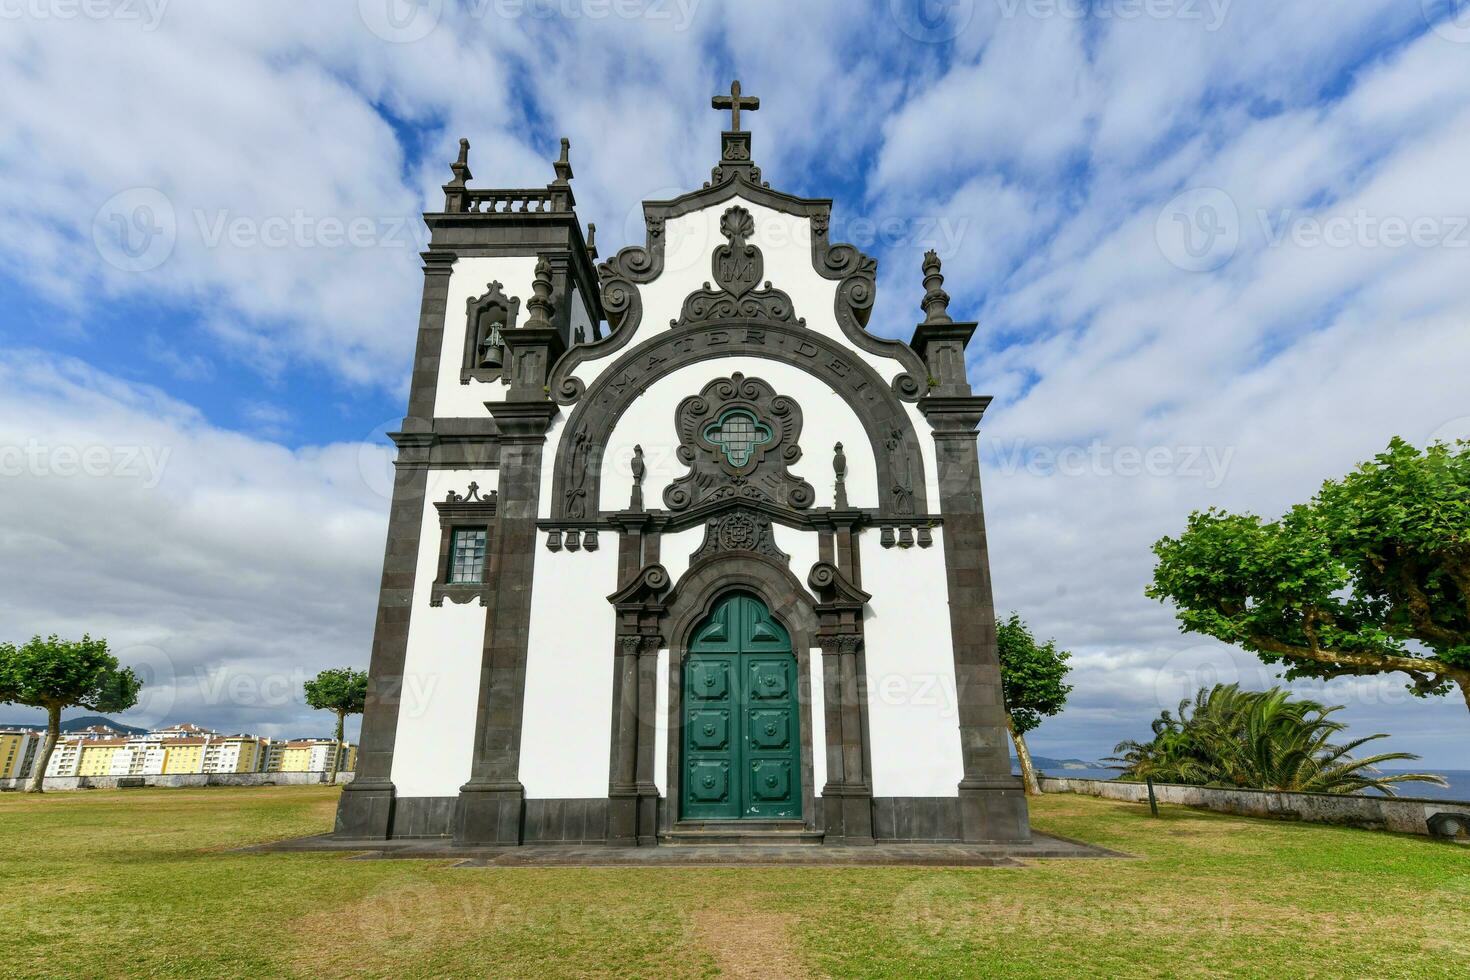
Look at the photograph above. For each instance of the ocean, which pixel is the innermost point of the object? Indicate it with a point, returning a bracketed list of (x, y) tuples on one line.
[(1459, 780)]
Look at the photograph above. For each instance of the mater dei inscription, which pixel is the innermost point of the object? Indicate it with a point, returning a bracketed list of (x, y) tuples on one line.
[(877, 404)]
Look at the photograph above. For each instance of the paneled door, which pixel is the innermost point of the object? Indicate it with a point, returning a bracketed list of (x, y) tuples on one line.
[(742, 727)]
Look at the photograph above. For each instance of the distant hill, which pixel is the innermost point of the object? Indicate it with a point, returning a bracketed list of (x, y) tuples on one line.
[(1058, 765), (86, 721)]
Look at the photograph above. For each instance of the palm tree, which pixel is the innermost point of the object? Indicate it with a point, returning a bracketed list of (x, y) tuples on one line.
[(1259, 740)]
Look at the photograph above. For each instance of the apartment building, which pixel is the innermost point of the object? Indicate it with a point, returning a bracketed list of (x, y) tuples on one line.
[(18, 748)]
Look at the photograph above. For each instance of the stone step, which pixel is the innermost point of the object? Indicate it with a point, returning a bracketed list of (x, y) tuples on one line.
[(742, 833)]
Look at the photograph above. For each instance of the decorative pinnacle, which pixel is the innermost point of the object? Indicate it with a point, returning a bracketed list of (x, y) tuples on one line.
[(839, 467), (592, 239), (935, 303), (540, 305), (461, 166), (563, 166), (636, 498)]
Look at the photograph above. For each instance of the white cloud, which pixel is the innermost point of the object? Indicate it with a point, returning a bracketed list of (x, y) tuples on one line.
[(203, 555)]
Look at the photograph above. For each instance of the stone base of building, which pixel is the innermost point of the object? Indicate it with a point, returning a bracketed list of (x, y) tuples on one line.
[(992, 815)]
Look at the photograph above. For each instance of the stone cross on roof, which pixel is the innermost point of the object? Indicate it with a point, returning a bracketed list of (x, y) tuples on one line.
[(735, 102)]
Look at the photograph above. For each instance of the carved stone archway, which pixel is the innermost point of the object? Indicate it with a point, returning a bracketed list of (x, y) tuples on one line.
[(577, 480)]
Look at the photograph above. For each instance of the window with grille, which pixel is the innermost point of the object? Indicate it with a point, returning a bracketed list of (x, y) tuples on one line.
[(467, 556)]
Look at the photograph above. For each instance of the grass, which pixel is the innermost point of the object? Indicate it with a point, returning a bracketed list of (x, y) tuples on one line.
[(138, 883)]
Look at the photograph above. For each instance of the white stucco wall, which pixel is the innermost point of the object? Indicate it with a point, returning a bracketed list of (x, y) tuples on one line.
[(581, 319), (912, 716), (470, 277), (674, 550), (569, 673), (436, 720)]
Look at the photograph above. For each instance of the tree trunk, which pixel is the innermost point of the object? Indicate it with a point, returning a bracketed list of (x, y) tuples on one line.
[(1023, 755), (43, 760), (337, 750), (1465, 690)]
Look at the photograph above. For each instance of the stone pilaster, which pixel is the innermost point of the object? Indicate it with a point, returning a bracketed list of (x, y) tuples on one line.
[(632, 792), (366, 808), (490, 808), (992, 802), (847, 797)]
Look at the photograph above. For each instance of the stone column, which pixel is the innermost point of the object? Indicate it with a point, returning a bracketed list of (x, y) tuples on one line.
[(366, 808), (992, 802)]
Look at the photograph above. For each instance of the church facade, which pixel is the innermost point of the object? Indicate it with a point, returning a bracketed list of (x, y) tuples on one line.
[(678, 550)]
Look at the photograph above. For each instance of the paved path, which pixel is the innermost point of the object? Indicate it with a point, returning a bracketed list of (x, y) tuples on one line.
[(699, 855)]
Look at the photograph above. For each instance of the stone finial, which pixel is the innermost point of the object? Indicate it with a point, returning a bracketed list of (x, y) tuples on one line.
[(456, 198), (563, 165), (936, 301), (461, 167), (591, 240), (839, 467), (639, 470), (540, 305)]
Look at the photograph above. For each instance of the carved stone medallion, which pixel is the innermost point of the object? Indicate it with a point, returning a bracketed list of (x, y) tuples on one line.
[(739, 530), (738, 267), (738, 437)]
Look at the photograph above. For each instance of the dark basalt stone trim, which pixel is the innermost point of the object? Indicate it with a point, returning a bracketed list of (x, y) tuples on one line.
[(992, 803), (895, 818), (493, 298), (366, 809), (817, 519), (423, 816), (472, 512), (710, 469), (902, 488), (491, 803), (521, 233), (566, 821), (917, 819), (455, 443)]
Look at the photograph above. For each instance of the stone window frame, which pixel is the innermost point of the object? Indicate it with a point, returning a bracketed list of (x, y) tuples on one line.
[(473, 512)]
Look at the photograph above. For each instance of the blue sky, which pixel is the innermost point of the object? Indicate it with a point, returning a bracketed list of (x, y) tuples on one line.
[(1225, 232)]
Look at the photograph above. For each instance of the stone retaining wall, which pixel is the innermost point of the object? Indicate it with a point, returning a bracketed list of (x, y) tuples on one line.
[(1402, 815), (180, 779)]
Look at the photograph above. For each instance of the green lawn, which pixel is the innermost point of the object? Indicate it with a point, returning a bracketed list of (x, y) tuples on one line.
[(137, 883)]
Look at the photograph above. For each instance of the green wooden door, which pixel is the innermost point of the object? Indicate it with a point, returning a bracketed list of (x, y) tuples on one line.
[(742, 731)]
